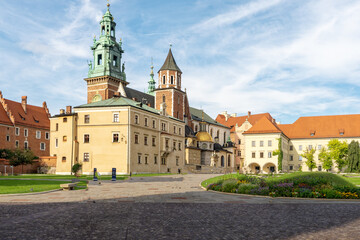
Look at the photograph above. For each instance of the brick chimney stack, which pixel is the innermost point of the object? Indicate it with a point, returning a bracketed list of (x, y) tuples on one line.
[(249, 113), (24, 102), (68, 109)]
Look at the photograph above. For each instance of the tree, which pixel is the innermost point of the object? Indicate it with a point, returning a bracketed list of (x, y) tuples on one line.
[(280, 154), (338, 151), (309, 155), (21, 157), (353, 158), (76, 168), (325, 159)]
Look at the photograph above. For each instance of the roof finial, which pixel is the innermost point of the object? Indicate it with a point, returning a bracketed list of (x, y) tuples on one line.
[(170, 45), (108, 4)]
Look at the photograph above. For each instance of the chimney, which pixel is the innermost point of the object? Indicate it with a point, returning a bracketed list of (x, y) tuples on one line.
[(62, 111), (226, 115), (249, 113), (68, 109), (24, 102), (273, 120)]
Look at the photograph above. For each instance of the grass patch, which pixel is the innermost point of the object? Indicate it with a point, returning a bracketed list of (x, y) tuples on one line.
[(28, 186), (353, 180), (209, 181)]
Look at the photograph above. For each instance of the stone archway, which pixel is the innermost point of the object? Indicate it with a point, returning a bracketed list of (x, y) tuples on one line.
[(254, 168), (269, 168)]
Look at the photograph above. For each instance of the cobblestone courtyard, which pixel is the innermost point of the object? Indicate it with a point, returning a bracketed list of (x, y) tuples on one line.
[(172, 207)]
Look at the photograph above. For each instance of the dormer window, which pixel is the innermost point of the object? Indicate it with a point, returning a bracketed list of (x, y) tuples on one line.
[(99, 62), (341, 131), (35, 119), (22, 118), (312, 133)]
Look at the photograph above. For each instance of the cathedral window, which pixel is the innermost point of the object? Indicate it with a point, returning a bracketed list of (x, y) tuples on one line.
[(99, 62), (115, 61), (172, 79), (164, 79)]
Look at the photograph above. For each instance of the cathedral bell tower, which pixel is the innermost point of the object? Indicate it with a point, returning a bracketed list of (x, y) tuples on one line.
[(106, 74), (169, 90)]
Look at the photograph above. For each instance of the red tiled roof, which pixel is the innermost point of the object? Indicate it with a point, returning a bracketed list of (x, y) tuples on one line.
[(323, 127), (4, 119), (232, 121), (34, 116), (264, 125)]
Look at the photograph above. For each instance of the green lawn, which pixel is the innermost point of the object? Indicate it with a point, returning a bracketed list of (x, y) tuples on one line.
[(27, 186), (215, 179), (353, 180)]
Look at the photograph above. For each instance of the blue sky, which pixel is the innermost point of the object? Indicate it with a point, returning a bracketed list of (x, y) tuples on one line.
[(289, 58)]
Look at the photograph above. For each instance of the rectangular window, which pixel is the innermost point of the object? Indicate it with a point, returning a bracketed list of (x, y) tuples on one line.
[(269, 154), (319, 147), (63, 159), (26, 145), (261, 155), (146, 159), (139, 159), (177, 161), (16, 143), (26, 133), (174, 146), (57, 127), (291, 147), (239, 153), (153, 141), (86, 157), (115, 62), (310, 147), (155, 159), (300, 147), (163, 126), (253, 143), (163, 161), (7, 138), (17, 131), (47, 135), (291, 158), (42, 146), (136, 139), (87, 118), (86, 138), (261, 143), (291, 167), (64, 120), (115, 137), (174, 129), (179, 131), (115, 117), (179, 147), (269, 143), (145, 140), (154, 124), (146, 122), (167, 143), (253, 155), (136, 119), (64, 138), (56, 142), (38, 134), (239, 141), (300, 158), (99, 62)]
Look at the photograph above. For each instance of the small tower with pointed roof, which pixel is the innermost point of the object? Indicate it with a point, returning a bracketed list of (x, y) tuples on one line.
[(169, 90), (106, 74), (151, 82)]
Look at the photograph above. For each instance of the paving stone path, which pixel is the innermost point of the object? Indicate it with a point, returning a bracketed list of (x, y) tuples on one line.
[(172, 207)]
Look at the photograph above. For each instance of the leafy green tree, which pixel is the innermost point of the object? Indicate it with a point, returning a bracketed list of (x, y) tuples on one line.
[(76, 168), (279, 153), (338, 151), (353, 158), (21, 157), (325, 159), (309, 155)]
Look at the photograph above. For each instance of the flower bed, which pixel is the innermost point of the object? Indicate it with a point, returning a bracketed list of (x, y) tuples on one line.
[(303, 185)]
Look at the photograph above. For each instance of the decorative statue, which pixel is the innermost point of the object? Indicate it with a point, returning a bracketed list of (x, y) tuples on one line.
[(123, 67), (90, 65)]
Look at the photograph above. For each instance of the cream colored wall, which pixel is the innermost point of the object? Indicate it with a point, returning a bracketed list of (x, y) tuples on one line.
[(264, 162), (66, 149), (238, 135), (315, 143)]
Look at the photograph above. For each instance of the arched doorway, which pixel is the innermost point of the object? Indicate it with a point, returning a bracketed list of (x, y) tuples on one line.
[(269, 168), (254, 168)]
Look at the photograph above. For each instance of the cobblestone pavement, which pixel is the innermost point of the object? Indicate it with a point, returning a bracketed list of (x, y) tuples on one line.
[(172, 207)]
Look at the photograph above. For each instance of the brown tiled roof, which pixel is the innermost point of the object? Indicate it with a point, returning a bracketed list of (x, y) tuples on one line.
[(323, 127), (232, 121), (4, 119), (264, 125), (34, 116)]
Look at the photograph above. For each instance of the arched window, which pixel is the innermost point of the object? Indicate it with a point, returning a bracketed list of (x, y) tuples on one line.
[(224, 137), (217, 133), (222, 161), (112, 32), (229, 161), (211, 132), (164, 79), (172, 80), (196, 128), (102, 30), (163, 98)]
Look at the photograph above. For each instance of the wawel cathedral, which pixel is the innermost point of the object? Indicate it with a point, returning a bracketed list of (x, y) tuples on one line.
[(132, 131)]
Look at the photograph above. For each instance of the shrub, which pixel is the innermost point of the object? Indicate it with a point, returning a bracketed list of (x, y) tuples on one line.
[(246, 188), (282, 189), (229, 185), (260, 191)]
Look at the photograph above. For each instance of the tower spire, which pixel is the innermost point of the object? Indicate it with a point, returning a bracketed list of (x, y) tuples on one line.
[(151, 82)]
